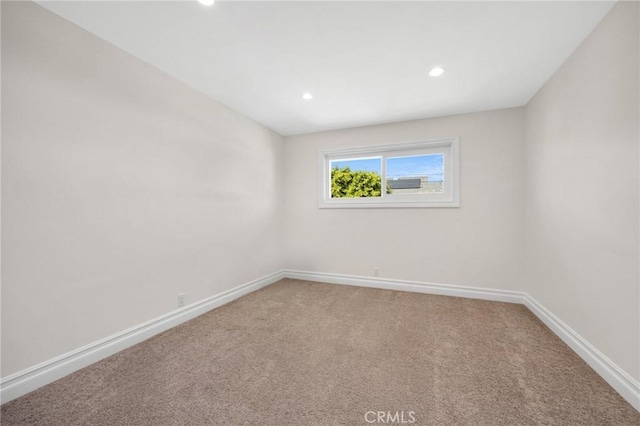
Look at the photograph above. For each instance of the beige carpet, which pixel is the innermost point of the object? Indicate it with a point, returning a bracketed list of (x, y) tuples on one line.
[(302, 353)]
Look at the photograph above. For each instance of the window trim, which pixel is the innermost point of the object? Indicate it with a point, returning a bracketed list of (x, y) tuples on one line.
[(450, 197)]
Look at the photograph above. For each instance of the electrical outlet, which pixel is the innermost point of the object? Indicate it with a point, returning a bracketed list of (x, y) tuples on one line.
[(376, 272), (181, 299)]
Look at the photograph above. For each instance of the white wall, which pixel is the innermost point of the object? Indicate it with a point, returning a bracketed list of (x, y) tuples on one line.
[(121, 187), (478, 244), (581, 190)]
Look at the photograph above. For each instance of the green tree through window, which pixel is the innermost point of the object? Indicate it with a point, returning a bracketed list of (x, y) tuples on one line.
[(346, 183)]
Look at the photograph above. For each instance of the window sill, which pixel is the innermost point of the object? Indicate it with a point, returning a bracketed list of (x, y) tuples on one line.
[(387, 204)]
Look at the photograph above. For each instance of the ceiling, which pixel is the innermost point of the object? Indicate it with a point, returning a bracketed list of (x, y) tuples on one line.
[(364, 62)]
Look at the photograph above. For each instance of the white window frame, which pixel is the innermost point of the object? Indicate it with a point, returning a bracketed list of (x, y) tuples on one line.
[(449, 198)]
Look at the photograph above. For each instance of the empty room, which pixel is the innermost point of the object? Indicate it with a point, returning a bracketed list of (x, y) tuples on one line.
[(226, 212)]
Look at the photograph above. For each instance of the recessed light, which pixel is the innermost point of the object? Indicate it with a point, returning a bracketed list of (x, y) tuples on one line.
[(307, 96), (436, 72), (206, 2)]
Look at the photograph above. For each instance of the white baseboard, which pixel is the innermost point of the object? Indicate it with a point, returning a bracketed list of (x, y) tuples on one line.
[(25, 381), (28, 380), (411, 286), (623, 383)]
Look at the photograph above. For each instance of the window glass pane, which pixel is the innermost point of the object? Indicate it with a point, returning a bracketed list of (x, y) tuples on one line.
[(356, 177), (416, 174)]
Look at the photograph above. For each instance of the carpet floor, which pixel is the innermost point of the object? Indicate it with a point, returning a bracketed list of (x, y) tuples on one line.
[(303, 353)]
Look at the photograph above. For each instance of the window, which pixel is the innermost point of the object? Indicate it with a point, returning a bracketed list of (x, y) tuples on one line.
[(418, 174)]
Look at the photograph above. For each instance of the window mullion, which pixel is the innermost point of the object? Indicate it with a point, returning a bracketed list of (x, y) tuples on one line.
[(383, 178)]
